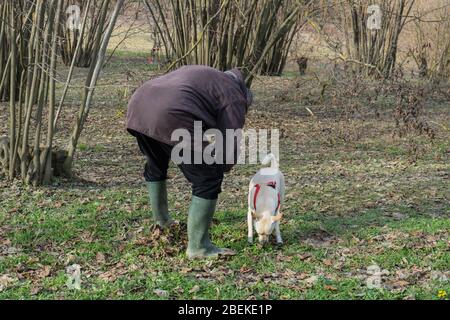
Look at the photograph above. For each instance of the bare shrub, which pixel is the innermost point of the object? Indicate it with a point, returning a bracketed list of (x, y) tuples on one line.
[(253, 35), (372, 52), (429, 39), (408, 112), (33, 32)]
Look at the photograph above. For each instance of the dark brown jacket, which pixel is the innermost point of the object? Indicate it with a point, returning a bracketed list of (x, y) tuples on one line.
[(191, 93)]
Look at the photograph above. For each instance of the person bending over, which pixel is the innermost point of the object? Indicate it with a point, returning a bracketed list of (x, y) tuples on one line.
[(179, 100)]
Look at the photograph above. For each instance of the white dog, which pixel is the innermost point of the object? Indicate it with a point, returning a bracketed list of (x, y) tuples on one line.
[(266, 195)]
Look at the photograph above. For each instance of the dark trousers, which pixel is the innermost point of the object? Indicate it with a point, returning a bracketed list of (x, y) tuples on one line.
[(206, 179)]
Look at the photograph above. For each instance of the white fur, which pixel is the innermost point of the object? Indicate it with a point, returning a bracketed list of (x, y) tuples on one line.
[(266, 218)]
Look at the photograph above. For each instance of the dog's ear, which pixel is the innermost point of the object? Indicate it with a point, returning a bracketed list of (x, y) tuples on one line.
[(278, 217), (254, 215)]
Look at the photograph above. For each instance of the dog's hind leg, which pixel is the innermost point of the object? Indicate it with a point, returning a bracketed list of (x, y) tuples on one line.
[(278, 233), (250, 225)]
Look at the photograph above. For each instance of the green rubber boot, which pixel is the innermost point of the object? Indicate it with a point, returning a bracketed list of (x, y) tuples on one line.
[(158, 200), (199, 221)]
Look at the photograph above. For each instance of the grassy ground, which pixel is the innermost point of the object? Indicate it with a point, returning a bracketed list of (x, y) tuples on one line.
[(357, 196)]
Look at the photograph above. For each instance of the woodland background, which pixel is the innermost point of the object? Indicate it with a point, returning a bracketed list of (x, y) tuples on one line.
[(364, 118)]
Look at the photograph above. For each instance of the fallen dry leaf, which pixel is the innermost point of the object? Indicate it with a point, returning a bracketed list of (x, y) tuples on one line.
[(161, 293), (195, 289), (35, 290), (186, 270), (330, 288), (245, 269), (399, 216), (100, 258), (5, 282), (108, 276), (327, 262), (304, 256), (400, 284), (311, 280), (44, 272)]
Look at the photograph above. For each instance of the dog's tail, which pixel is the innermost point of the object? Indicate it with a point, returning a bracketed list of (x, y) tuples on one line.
[(271, 159)]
